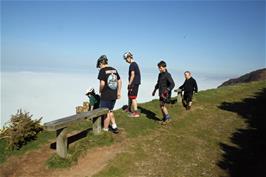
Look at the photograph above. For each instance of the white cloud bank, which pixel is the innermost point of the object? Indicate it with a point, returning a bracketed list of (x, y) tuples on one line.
[(55, 95)]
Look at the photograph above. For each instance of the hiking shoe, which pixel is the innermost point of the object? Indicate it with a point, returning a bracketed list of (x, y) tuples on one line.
[(134, 114)]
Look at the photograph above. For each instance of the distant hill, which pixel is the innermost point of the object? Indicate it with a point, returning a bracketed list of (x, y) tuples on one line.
[(257, 75)]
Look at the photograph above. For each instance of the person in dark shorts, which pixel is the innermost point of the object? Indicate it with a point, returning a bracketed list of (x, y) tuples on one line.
[(110, 90), (165, 84), (189, 86), (93, 98), (134, 80)]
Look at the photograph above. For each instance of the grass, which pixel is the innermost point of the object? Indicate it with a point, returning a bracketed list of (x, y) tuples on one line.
[(196, 143), (191, 144)]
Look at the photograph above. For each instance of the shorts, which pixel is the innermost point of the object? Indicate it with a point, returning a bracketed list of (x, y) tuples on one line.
[(164, 101), (133, 93), (108, 104)]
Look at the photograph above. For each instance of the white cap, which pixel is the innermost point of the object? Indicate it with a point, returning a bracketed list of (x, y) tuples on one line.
[(89, 90)]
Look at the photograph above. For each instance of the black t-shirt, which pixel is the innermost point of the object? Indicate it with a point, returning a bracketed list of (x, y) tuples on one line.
[(134, 67), (110, 76)]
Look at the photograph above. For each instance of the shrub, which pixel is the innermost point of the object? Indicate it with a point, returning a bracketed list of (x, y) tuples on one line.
[(21, 129)]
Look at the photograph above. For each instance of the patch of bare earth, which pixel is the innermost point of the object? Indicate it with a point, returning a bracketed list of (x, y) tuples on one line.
[(33, 164)]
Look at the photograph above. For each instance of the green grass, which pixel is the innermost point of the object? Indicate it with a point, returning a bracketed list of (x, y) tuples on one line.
[(189, 146)]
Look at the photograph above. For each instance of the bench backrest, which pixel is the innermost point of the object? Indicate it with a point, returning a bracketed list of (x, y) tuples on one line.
[(66, 121)]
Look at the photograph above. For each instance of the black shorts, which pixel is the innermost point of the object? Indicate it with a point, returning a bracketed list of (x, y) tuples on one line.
[(133, 93)]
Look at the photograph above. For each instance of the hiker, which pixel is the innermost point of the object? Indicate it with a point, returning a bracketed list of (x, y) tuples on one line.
[(165, 84), (94, 99), (134, 80), (110, 91), (189, 86)]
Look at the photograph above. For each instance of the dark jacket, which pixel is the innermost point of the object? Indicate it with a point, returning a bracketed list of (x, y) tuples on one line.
[(189, 85), (165, 81)]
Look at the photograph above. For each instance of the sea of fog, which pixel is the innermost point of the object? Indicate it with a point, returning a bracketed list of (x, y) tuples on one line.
[(55, 95)]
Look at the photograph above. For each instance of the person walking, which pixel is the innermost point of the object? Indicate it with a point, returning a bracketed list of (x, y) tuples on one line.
[(189, 87), (165, 84)]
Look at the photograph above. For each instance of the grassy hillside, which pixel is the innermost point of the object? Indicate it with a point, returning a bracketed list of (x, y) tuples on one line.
[(223, 135)]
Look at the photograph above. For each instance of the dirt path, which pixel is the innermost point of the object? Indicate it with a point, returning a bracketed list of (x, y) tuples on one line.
[(33, 164)]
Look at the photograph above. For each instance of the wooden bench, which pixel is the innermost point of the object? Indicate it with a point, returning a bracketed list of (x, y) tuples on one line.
[(60, 126)]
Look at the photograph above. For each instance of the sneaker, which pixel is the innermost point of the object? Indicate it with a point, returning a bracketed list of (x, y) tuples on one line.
[(105, 129), (115, 130), (134, 114), (188, 108)]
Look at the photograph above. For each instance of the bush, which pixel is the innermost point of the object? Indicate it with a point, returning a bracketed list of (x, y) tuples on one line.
[(21, 129)]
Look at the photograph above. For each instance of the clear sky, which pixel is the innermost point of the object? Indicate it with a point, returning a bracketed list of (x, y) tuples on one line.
[(202, 36)]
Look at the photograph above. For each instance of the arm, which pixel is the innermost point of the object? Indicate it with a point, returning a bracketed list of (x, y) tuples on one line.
[(132, 76), (156, 87), (182, 86), (119, 87), (195, 86), (171, 81), (102, 84)]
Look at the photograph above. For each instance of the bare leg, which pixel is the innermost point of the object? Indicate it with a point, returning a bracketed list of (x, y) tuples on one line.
[(107, 121), (112, 118), (129, 104), (164, 110), (134, 104)]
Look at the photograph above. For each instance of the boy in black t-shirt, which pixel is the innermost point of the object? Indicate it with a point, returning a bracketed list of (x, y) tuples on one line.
[(134, 80), (110, 90), (189, 86), (165, 84)]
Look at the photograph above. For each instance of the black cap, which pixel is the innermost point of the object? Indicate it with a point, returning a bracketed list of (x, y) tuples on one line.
[(101, 59)]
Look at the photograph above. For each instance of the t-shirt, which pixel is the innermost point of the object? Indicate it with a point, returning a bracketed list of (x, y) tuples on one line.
[(134, 67), (110, 76)]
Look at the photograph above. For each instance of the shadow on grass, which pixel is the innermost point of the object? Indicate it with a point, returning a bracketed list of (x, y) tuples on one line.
[(248, 157), (149, 114), (74, 138)]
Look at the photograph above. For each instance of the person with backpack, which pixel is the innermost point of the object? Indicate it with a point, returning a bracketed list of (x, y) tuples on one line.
[(165, 84), (94, 99), (189, 86), (134, 80), (110, 91)]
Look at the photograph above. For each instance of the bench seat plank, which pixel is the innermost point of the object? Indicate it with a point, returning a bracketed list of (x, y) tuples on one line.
[(64, 122)]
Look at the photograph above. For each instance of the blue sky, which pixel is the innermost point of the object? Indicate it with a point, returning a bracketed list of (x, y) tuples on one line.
[(202, 36)]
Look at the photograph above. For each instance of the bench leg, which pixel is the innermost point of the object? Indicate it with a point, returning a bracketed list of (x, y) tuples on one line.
[(61, 142), (97, 125)]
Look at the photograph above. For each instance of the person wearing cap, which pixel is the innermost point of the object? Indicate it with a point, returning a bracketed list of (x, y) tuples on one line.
[(189, 86), (134, 80), (165, 84), (94, 98), (110, 91)]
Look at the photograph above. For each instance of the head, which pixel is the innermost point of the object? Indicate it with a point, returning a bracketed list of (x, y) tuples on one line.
[(128, 57), (187, 74), (102, 61), (90, 91), (162, 66)]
